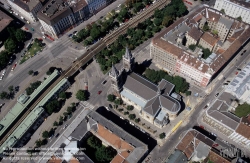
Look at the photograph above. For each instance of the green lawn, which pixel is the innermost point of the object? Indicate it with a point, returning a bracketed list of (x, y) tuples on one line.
[(242, 110), (35, 47)]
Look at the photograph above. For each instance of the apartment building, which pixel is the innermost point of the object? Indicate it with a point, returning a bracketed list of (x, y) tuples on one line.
[(207, 40), (28, 9), (193, 36), (59, 16), (224, 38), (219, 117), (234, 8)]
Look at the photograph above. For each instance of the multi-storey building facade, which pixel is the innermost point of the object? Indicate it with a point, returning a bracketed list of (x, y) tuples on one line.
[(28, 9), (234, 8), (224, 37), (219, 117), (58, 16)]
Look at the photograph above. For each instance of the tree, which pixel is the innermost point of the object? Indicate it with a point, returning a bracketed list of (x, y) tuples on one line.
[(60, 119), (188, 93), (215, 32), (192, 47), (239, 18), (103, 154), (162, 135), (11, 88), (206, 53), (4, 95), (38, 143), (31, 72), (55, 123), (132, 116), (242, 110), (118, 101), (52, 106), (137, 120), (130, 107), (126, 113), (223, 11), (51, 70), (32, 87), (62, 95), (45, 134), (4, 58), (94, 142), (111, 97), (20, 35), (167, 20), (10, 45), (180, 84), (81, 95), (95, 32), (157, 21), (205, 27)]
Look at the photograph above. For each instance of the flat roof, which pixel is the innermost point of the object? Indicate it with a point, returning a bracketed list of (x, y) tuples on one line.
[(19, 108), (4, 21)]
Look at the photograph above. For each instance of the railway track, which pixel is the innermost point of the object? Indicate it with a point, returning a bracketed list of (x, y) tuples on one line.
[(86, 57)]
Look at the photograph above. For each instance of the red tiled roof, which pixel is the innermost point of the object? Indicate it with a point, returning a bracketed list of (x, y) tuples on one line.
[(209, 38), (195, 33), (215, 158), (54, 159)]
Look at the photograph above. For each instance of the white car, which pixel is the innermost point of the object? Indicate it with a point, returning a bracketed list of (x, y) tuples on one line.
[(1, 77), (3, 73), (65, 126)]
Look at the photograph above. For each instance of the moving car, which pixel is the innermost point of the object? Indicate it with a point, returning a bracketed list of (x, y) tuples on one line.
[(14, 66), (217, 94), (99, 92), (65, 126)]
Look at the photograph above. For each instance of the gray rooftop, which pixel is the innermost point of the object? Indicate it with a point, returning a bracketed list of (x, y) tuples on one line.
[(54, 11), (141, 86), (202, 150), (227, 22), (241, 83), (151, 99), (80, 130), (26, 5), (177, 157)]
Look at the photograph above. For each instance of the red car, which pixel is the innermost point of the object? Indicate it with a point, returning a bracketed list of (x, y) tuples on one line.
[(215, 145), (99, 92), (202, 127), (13, 68)]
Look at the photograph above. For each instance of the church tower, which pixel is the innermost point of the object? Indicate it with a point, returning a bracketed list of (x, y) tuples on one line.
[(115, 77), (128, 61)]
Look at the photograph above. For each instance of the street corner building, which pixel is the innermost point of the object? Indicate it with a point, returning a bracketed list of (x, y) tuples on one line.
[(59, 16), (27, 9), (196, 147), (155, 103), (205, 29), (219, 117)]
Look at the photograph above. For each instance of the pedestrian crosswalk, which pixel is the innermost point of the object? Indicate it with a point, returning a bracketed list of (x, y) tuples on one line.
[(86, 104)]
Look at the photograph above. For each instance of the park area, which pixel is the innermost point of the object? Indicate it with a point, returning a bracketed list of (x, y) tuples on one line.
[(35, 47)]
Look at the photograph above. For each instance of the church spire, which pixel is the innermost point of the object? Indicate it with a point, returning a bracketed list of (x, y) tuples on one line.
[(114, 72), (128, 54)]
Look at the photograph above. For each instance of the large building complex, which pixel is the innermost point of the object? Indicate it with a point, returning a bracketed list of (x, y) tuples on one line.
[(197, 147), (220, 118), (224, 38), (153, 102), (129, 149), (240, 85), (58, 16), (20, 135), (28, 9), (234, 8)]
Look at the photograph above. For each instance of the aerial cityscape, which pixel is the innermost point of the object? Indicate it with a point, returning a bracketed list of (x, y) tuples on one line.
[(125, 81)]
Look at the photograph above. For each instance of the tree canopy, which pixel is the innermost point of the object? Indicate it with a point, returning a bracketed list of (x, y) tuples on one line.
[(94, 142), (105, 154), (32, 87), (82, 95), (52, 106), (242, 110), (10, 45), (20, 35)]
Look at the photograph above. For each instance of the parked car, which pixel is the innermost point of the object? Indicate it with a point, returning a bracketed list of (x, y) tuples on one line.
[(75, 32), (3, 73), (57, 135), (99, 92), (1, 104), (217, 94), (104, 82), (1, 77), (70, 35)]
